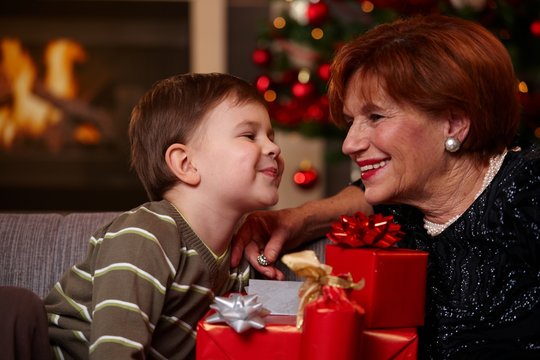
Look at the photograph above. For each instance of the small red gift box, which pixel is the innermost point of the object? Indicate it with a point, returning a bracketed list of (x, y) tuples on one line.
[(395, 344), (332, 327), (395, 279), (279, 340)]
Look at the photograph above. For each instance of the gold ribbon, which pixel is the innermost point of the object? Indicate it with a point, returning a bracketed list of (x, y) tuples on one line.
[(306, 264)]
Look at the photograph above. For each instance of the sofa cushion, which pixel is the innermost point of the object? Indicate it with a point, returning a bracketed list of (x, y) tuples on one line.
[(36, 249)]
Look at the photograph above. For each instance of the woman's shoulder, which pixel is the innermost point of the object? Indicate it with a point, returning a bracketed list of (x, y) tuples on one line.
[(521, 169), (515, 194), (527, 156)]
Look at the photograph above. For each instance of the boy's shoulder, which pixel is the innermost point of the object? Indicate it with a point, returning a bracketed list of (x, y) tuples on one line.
[(151, 216)]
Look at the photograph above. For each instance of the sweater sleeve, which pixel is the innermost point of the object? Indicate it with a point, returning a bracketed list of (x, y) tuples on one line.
[(132, 271)]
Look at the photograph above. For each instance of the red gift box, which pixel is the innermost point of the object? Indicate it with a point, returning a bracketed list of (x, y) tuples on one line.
[(395, 281), (332, 327), (395, 344), (279, 340)]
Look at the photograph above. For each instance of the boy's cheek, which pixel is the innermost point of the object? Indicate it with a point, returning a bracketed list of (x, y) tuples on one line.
[(281, 165)]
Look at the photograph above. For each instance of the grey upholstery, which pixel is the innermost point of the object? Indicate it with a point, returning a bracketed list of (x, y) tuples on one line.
[(36, 249)]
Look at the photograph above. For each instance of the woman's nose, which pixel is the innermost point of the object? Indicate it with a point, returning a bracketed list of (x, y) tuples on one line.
[(355, 141)]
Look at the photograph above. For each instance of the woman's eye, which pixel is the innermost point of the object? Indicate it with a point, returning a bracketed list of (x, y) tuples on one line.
[(375, 117), (348, 121)]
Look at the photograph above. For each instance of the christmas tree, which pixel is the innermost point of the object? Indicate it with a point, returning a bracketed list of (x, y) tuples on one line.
[(295, 48)]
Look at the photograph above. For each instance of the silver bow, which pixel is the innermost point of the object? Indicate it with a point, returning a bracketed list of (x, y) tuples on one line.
[(239, 312)]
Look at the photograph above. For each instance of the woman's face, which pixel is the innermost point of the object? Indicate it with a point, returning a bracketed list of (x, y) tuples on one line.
[(400, 150)]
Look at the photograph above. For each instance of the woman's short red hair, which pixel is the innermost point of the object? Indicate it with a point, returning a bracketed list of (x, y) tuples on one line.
[(436, 64)]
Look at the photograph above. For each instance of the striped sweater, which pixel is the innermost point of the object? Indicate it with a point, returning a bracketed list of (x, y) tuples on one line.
[(146, 282)]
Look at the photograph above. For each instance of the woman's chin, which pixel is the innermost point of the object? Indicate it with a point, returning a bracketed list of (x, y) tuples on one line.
[(374, 197)]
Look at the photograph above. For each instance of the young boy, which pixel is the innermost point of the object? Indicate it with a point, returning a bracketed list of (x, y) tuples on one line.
[(203, 147)]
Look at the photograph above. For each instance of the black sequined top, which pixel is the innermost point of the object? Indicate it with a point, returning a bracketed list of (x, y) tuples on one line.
[(483, 286)]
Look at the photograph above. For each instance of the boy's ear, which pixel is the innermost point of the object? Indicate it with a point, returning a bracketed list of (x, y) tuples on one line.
[(458, 125), (179, 161)]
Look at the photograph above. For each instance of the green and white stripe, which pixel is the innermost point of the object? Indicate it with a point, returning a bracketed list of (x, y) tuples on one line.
[(147, 235), (81, 309), (58, 353), (79, 335), (82, 274), (165, 218), (202, 290), (190, 252), (125, 306), (181, 324), (116, 340), (130, 267)]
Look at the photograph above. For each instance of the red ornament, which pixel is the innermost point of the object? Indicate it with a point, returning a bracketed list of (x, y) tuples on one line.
[(317, 13), (366, 231), (306, 176), (535, 28), (287, 114), (261, 57), (317, 111), (324, 72), (262, 83), (303, 90)]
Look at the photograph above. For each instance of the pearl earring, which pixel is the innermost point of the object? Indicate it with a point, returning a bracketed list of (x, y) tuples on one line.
[(452, 144)]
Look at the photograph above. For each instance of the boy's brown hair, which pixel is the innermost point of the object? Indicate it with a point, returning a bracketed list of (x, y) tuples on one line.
[(169, 113)]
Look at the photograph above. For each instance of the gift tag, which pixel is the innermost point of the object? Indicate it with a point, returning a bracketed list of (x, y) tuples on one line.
[(280, 297)]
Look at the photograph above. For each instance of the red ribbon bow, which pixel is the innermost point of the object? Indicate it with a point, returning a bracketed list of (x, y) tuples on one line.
[(360, 230), (334, 297)]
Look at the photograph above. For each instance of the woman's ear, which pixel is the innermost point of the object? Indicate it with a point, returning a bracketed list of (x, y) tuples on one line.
[(458, 125), (179, 162)]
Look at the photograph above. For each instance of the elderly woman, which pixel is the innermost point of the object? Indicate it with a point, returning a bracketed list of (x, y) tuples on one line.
[(432, 114)]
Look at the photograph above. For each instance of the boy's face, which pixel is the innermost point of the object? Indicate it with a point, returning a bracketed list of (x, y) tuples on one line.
[(235, 154)]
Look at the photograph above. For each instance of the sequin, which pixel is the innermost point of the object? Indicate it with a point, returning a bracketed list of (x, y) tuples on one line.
[(483, 286)]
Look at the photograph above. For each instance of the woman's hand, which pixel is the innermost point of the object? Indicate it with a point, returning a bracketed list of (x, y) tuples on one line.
[(271, 232), (266, 232)]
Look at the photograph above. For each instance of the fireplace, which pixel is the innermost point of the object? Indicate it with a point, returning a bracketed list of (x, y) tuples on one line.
[(70, 73)]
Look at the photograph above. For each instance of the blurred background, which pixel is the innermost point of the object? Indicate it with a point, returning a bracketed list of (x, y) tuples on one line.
[(70, 72)]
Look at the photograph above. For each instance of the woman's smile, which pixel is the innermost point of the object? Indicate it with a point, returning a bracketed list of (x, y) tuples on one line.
[(368, 168)]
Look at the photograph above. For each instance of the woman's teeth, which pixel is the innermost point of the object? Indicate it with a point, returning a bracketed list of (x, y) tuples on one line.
[(373, 166)]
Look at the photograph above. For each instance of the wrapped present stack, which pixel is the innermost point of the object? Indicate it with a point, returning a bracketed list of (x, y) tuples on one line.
[(393, 297), (366, 302)]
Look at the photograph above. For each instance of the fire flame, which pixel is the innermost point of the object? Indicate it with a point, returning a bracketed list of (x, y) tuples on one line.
[(60, 56), (28, 114)]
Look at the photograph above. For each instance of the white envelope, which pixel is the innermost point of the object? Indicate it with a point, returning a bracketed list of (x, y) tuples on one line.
[(280, 297)]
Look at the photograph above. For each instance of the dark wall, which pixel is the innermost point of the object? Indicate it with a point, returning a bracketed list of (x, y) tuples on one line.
[(244, 20)]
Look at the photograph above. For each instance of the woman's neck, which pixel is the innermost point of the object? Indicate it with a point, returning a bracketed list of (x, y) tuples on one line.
[(461, 192), (454, 193)]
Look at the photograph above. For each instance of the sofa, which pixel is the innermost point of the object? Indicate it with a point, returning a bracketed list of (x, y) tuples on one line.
[(37, 248)]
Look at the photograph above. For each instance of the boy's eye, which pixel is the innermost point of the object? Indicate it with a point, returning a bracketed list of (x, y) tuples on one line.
[(250, 136)]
